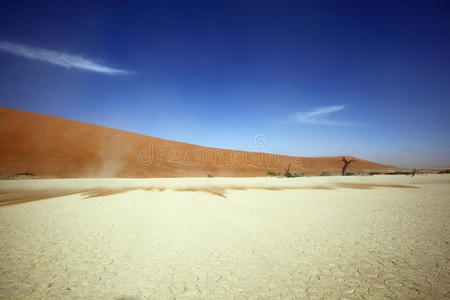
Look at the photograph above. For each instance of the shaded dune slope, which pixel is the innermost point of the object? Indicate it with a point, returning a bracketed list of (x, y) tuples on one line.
[(55, 147)]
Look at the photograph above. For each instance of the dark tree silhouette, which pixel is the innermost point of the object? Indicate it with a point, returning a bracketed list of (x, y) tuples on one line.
[(346, 164), (413, 172), (286, 172)]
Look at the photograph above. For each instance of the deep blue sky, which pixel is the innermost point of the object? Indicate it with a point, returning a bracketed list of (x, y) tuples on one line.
[(364, 78)]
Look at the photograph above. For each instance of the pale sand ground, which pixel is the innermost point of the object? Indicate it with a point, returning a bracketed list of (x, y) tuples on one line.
[(212, 238)]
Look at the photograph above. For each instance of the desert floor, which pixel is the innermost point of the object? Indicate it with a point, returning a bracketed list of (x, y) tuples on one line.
[(224, 238)]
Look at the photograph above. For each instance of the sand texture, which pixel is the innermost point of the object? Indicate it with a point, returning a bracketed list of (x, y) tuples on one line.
[(368, 237), (48, 146)]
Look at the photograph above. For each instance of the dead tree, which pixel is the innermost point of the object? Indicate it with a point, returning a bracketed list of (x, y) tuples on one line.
[(346, 164), (286, 172), (413, 172)]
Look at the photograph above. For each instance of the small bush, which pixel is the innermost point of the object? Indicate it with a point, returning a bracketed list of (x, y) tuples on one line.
[(209, 175), (444, 172), (271, 173), (24, 174), (350, 174), (298, 174), (399, 173), (325, 174)]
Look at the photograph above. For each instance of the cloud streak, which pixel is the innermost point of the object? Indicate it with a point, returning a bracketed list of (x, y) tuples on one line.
[(60, 59), (319, 116)]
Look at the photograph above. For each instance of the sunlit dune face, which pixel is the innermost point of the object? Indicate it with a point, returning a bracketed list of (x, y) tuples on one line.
[(71, 149)]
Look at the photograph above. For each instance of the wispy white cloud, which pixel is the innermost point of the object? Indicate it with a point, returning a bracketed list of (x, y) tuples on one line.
[(59, 59), (319, 116)]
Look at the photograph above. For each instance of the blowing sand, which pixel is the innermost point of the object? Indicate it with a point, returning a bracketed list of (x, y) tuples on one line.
[(225, 238)]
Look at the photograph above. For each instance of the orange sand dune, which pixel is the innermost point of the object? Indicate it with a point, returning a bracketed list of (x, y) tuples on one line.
[(55, 147)]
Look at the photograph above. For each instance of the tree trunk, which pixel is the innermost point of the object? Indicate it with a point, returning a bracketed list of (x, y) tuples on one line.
[(344, 168)]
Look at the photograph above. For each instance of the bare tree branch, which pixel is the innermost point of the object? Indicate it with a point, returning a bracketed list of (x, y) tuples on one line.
[(346, 164)]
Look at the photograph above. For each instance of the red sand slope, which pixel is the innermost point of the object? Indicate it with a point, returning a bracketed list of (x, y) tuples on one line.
[(54, 147)]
